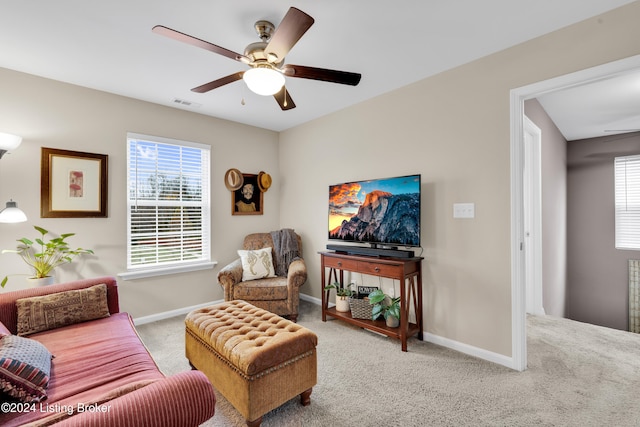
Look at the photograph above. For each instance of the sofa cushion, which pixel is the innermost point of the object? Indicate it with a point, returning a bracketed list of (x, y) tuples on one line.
[(46, 312), (256, 264), (25, 366), (268, 289)]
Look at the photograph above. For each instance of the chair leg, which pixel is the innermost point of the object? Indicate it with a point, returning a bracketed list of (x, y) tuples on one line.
[(293, 318), (254, 423)]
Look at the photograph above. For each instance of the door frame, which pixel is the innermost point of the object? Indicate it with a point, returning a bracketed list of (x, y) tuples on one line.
[(518, 259)]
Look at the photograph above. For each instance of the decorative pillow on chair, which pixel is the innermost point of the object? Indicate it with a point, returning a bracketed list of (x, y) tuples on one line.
[(25, 365), (46, 312), (256, 264)]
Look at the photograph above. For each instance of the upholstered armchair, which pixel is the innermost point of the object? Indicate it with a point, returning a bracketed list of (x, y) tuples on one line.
[(279, 294)]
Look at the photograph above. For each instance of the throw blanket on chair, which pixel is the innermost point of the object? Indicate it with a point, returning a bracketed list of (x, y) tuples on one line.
[(285, 247)]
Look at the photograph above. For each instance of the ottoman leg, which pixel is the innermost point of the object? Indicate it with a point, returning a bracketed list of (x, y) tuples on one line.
[(305, 397), (254, 423)]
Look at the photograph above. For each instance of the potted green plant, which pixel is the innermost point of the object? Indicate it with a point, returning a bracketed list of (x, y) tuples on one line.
[(384, 305), (43, 256), (343, 292)]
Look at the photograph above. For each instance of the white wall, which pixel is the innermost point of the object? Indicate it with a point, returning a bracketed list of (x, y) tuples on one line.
[(452, 128), (52, 114)]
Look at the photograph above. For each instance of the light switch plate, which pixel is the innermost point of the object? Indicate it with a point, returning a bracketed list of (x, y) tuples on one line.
[(464, 210)]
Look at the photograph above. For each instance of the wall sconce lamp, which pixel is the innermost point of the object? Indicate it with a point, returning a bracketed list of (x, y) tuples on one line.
[(8, 142), (11, 213)]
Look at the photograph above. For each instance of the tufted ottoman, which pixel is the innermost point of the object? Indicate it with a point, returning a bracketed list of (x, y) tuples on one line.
[(256, 359)]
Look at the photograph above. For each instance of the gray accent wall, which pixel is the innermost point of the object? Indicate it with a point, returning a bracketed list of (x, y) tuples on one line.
[(597, 290)]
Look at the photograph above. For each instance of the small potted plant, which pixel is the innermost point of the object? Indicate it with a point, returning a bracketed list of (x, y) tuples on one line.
[(43, 256), (384, 305), (343, 292)]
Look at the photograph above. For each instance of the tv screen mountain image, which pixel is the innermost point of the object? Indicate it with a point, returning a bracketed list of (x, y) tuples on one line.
[(381, 211)]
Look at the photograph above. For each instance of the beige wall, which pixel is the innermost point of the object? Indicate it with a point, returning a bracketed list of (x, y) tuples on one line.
[(452, 128), (53, 114)]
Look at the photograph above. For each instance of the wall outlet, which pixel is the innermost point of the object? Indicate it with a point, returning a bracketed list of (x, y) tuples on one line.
[(464, 210)]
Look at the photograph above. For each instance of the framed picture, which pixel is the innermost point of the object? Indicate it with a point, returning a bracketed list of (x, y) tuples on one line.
[(247, 200), (73, 184)]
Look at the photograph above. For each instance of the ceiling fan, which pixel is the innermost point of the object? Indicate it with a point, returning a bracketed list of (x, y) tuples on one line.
[(266, 75)]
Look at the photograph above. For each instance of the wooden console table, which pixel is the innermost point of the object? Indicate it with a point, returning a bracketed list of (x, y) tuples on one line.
[(406, 270)]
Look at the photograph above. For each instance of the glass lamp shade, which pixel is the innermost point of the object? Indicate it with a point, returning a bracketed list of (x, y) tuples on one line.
[(263, 81), (12, 214), (9, 142)]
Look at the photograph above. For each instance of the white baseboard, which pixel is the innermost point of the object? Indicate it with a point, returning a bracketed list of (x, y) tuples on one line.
[(184, 310), (480, 353), (316, 301), (435, 339), (449, 343), (171, 313)]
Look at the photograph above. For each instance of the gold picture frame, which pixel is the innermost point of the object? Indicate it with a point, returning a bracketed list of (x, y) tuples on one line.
[(73, 184)]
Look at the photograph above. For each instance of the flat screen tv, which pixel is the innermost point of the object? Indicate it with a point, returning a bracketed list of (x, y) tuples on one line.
[(382, 212)]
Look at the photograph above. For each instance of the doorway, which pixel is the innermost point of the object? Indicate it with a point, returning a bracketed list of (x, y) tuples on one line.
[(519, 259)]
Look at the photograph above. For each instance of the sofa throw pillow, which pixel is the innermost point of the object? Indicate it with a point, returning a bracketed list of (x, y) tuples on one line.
[(46, 312), (25, 366), (256, 264)]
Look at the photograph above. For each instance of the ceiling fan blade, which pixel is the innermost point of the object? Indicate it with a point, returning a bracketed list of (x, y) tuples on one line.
[(185, 38), (217, 83), (294, 24), (284, 99), (333, 76)]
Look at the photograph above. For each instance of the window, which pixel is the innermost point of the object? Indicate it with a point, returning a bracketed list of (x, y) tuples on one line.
[(168, 204), (627, 196)]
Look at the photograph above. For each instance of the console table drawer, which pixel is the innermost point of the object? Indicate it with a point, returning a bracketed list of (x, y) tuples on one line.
[(341, 264), (379, 269)]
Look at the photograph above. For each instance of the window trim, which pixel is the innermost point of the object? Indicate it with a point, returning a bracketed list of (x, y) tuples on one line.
[(142, 271), (626, 193)]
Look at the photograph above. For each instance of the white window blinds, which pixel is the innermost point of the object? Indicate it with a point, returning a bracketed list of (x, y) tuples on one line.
[(627, 201), (168, 206)]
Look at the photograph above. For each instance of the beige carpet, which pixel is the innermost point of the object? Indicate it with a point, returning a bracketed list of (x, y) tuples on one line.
[(579, 375)]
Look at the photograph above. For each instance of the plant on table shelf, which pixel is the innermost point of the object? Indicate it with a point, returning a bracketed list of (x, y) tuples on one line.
[(384, 305), (341, 290), (44, 256)]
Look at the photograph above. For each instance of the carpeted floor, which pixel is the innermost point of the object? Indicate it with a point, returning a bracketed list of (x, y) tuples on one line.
[(578, 375)]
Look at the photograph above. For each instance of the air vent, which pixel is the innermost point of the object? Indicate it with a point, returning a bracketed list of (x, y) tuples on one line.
[(186, 103)]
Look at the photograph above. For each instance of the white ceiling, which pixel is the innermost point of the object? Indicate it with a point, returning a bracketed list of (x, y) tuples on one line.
[(606, 107), (109, 46)]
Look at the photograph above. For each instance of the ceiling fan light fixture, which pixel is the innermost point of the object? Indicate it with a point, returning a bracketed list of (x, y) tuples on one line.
[(263, 80)]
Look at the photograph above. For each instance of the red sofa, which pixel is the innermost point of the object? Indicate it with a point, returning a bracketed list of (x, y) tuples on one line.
[(102, 373)]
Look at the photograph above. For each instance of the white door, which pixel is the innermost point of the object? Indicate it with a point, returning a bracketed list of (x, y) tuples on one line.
[(532, 217)]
